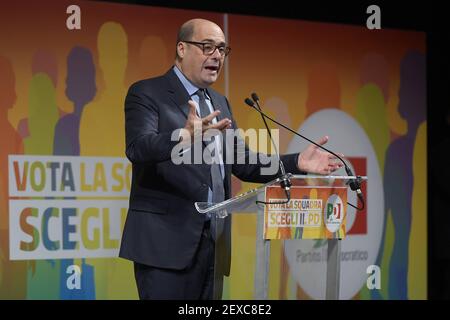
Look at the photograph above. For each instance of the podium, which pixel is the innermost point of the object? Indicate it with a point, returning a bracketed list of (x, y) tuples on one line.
[(317, 209)]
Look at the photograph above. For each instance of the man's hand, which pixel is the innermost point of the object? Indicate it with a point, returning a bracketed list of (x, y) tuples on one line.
[(315, 160), (196, 126)]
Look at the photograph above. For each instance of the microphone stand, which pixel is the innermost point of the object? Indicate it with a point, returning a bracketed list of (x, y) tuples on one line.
[(285, 182)]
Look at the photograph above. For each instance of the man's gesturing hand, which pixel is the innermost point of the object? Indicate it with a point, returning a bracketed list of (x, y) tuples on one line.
[(195, 126), (315, 160)]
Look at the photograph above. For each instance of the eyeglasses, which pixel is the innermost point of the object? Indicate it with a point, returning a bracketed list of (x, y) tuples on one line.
[(209, 48)]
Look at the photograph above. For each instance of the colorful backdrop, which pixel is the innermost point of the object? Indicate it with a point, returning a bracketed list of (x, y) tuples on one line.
[(63, 193)]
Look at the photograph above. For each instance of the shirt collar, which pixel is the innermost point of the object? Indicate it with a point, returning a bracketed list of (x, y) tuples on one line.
[(187, 84)]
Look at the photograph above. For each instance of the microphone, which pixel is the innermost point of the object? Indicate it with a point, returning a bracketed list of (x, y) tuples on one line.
[(355, 184), (285, 182)]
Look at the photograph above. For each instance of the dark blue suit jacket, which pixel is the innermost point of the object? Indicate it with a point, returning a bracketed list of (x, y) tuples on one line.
[(163, 228)]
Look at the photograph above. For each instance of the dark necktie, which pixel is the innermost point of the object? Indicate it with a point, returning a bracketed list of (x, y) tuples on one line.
[(218, 191)]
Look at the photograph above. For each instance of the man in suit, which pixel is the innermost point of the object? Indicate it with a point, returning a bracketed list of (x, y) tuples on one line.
[(171, 244)]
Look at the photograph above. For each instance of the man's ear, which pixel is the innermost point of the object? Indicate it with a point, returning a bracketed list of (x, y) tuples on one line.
[(181, 49)]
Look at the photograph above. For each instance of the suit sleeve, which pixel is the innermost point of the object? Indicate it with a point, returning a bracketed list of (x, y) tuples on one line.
[(144, 142), (255, 167)]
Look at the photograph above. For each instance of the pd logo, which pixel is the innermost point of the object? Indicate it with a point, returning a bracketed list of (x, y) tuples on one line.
[(334, 213)]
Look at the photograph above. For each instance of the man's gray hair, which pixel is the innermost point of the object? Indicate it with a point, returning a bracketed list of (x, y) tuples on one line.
[(184, 34)]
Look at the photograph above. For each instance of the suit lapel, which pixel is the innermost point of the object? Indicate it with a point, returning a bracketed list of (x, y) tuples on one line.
[(180, 96), (216, 104), (177, 92)]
